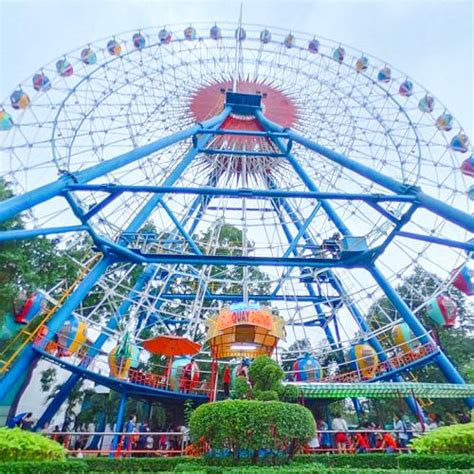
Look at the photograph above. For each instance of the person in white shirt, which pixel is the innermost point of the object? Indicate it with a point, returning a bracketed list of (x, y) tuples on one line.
[(402, 432), (339, 425)]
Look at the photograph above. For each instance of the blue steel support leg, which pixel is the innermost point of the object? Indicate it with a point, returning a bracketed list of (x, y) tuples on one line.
[(412, 403), (444, 364), (28, 356), (456, 216), (73, 379), (119, 423), (13, 206), (321, 315)]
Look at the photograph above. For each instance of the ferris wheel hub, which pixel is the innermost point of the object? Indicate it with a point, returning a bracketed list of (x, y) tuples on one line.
[(251, 96)]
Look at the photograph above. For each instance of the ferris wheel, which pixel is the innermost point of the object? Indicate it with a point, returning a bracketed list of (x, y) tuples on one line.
[(300, 142)]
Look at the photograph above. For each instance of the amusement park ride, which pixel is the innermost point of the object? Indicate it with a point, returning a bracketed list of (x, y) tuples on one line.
[(338, 174)]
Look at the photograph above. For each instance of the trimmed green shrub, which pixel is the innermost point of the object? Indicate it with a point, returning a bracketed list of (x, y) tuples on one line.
[(265, 374), (390, 461), (250, 425), (21, 445), (266, 395), (369, 460), (447, 439), (105, 464), (332, 464), (43, 467), (288, 392), (242, 389), (436, 461)]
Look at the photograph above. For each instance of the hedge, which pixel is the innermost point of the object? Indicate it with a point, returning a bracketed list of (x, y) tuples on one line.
[(82, 467), (447, 439), (21, 445), (356, 464), (391, 461), (248, 425)]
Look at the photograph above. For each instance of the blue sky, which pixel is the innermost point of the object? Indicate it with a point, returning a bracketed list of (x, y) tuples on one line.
[(431, 41)]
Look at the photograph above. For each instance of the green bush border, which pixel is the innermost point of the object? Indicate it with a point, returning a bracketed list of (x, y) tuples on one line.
[(320, 463), (447, 440), (21, 445)]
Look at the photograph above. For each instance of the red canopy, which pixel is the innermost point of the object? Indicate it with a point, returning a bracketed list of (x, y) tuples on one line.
[(171, 346)]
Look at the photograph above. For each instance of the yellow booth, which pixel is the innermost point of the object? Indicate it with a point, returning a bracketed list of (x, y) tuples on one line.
[(244, 330)]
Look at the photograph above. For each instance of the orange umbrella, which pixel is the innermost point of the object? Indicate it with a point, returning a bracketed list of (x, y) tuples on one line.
[(171, 346)]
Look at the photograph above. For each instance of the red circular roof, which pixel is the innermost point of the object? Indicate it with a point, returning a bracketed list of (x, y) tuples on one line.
[(209, 101)]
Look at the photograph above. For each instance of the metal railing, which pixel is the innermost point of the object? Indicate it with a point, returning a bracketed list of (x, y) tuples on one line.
[(177, 443)]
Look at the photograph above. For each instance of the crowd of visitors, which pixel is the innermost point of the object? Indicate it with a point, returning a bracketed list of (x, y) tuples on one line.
[(371, 437), (139, 439)]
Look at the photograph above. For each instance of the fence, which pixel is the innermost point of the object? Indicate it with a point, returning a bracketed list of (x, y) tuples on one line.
[(160, 443)]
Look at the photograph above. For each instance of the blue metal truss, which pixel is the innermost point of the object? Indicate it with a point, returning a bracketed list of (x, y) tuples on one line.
[(68, 185)]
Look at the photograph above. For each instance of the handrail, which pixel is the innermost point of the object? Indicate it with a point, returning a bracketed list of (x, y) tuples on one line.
[(30, 335), (129, 443)]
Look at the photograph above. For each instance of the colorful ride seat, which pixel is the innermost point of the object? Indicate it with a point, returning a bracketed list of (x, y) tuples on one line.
[(442, 310), (364, 359), (307, 369)]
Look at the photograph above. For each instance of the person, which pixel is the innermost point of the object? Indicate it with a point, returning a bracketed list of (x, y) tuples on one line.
[(144, 429), (325, 437), (313, 444), (47, 429), (243, 370), (433, 421), (400, 426), (130, 427), (339, 425), (16, 420), (56, 436), (464, 417), (107, 439), (226, 379), (162, 442), (188, 375), (418, 428), (361, 443), (149, 443), (184, 436), (27, 422), (388, 443), (333, 245), (204, 387)]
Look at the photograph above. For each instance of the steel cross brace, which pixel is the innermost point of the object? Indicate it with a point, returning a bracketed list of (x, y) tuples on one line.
[(148, 273), (456, 216), (13, 206), (241, 192), (340, 225), (453, 215)]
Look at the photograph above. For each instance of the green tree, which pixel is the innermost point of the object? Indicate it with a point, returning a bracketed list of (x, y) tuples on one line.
[(48, 377), (266, 382), (21, 259)]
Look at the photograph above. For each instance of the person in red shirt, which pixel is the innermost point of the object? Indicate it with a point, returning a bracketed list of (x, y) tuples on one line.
[(361, 443), (389, 443), (188, 375), (226, 380)]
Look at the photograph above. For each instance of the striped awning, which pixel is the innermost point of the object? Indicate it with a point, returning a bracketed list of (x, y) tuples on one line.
[(384, 390)]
